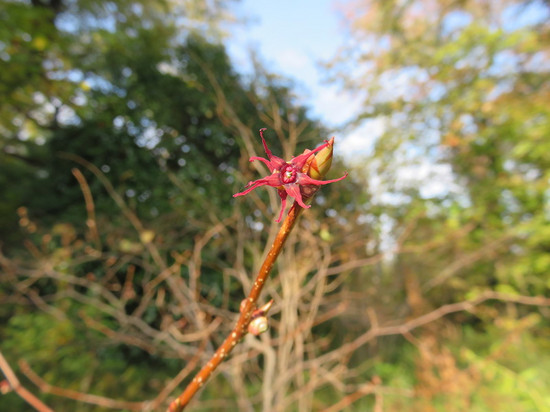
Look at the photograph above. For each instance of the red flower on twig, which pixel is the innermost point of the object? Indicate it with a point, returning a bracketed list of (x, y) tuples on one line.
[(287, 177)]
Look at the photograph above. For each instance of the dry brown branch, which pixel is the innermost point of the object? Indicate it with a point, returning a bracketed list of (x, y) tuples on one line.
[(117, 336), (176, 381), (78, 396), (104, 401), (466, 261), (196, 259), (367, 389), (249, 305), (178, 287), (334, 372), (415, 323), (91, 222), (19, 389)]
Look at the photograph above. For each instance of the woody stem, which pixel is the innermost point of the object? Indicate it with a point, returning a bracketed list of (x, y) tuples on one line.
[(240, 329)]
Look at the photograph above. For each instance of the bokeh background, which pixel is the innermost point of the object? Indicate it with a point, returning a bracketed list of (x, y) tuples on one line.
[(418, 283)]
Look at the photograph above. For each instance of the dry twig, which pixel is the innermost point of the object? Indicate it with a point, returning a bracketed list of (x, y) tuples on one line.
[(249, 305), (19, 389)]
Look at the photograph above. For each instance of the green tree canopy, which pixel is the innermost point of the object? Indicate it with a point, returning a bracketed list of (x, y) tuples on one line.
[(461, 88)]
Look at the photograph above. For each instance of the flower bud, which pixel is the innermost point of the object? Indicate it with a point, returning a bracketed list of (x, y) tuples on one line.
[(264, 309), (304, 171), (320, 163), (258, 325)]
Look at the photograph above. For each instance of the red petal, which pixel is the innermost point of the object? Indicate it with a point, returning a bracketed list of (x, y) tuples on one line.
[(283, 196), (294, 190), (275, 162), (300, 160), (304, 179), (251, 186), (261, 159), (271, 180), (267, 151)]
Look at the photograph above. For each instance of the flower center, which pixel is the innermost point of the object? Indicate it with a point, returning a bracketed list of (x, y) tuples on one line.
[(288, 174)]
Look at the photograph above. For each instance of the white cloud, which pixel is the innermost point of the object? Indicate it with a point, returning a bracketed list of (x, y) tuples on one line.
[(334, 106), (293, 61), (361, 139)]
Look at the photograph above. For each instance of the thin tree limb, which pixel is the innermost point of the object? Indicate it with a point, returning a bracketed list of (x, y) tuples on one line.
[(19, 389)]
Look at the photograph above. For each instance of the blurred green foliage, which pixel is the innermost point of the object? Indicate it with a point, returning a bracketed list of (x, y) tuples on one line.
[(142, 99), (463, 172), (128, 93)]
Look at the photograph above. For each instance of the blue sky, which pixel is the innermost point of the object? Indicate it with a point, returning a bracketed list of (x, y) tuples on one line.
[(292, 38)]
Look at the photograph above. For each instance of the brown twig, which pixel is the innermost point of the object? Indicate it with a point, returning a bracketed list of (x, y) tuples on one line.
[(367, 389), (90, 208), (20, 390), (419, 321), (45, 387), (248, 307), (178, 379), (118, 336), (78, 396)]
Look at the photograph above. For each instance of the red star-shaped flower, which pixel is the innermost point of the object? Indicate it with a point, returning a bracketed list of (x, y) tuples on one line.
[(287, 177)]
